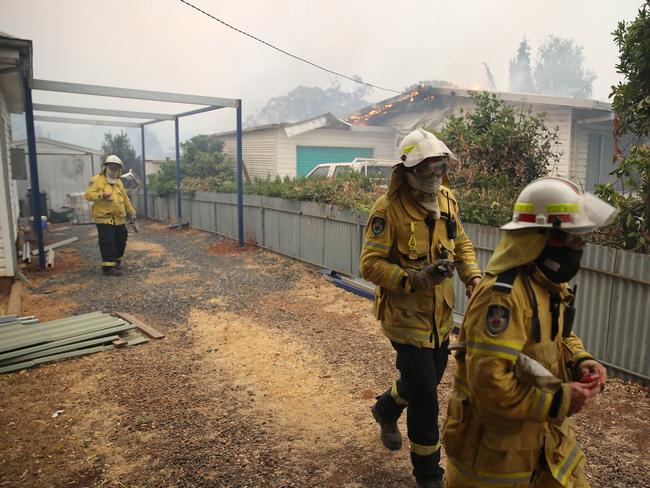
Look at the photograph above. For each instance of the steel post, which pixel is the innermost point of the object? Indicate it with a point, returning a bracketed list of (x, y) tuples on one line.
[(33, 172), (240, 179), (144, 173), (178, 175)]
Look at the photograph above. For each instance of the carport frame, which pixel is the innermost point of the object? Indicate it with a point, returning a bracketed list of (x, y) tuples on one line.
[(210, 103)]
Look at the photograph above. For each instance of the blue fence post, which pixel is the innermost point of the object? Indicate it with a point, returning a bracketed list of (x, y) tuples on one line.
[(240, 178)]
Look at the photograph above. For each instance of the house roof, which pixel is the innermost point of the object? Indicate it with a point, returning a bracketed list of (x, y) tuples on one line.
[(15, 60), (323, 121), (422, 98), (61, 144)]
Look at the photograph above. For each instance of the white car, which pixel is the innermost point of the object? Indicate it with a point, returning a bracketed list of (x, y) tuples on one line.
[(380, 168)]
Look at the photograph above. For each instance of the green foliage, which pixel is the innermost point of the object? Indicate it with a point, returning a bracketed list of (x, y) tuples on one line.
[(120, 145), (204, 166), (496, 139), (631, 102), (500, 150), (349, 190)]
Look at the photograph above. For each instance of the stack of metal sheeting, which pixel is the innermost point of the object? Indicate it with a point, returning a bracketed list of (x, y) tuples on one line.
[(25, 343)]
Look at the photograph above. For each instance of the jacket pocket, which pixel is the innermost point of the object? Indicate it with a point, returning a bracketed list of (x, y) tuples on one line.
[(457, 429), (510, 449)]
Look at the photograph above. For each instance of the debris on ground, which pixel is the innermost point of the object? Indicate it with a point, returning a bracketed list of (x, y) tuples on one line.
[(24, 342)]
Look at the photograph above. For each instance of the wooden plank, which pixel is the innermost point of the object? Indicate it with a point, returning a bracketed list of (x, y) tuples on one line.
[(56, 244), (119, 343), (144, 328)]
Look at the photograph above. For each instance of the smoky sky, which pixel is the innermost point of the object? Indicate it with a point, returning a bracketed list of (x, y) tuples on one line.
[(165, 45)]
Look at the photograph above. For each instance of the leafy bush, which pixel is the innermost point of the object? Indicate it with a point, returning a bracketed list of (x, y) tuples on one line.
[(500, 150), (631, 102), (203, 166)]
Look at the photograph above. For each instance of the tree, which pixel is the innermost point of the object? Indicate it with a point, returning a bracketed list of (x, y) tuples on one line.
[(204, 166), (520, 77), (120, 145), (559, 69), (631, 102), (500, 149), (304, 102)]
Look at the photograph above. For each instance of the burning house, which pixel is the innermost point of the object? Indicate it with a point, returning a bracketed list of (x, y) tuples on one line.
[(585, 126)]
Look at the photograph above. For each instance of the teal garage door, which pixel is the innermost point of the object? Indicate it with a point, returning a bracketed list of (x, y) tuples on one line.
[(307, 157)]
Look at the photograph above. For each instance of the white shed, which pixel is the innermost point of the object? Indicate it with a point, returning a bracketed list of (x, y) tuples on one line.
[(15, 59), (585, 126), (63, 169), (294, 149)]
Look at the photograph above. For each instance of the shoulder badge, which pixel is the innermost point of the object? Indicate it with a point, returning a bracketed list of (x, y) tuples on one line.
[(377, 225), (497, 319)]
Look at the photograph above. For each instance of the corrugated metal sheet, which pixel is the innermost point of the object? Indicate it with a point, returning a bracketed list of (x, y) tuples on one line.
[(25, 343)]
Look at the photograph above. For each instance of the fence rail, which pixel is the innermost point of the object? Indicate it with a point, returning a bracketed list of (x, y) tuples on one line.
[(613, 298)]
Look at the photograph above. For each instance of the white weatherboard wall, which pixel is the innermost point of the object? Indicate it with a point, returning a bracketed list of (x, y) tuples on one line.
[(8, 198), (269, 152)]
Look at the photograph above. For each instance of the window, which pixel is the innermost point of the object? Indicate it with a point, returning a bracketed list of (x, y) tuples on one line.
[(320, 172), (379, 171), (341, 170)]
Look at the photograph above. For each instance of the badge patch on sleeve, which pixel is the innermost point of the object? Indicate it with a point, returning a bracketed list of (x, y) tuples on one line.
[(497, 319), (377, 225)]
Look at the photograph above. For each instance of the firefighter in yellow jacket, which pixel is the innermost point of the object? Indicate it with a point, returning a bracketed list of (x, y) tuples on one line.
[(111, 205), (521, 370), (413, 241)]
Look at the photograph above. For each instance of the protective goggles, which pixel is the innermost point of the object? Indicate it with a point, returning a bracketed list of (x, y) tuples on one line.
[(564, 239), (430, 167)]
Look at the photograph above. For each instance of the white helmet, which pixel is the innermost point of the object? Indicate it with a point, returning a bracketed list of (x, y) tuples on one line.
[(113, 159), (420, 145), (557, 203)]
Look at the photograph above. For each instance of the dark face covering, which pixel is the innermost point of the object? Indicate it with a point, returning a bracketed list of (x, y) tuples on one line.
[(559, 264)]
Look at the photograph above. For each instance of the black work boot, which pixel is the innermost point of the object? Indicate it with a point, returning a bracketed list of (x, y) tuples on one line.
[(428, 483), (111, 271), (390, 435)]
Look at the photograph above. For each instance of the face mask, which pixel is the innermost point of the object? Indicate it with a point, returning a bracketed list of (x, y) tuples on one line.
[(430, 184), (559, 264), (425, 192), (112, 175)]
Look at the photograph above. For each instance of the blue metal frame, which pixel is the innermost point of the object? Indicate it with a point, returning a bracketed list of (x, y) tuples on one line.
[(178, 175), (33, 172), (144, 173), (240, 178)]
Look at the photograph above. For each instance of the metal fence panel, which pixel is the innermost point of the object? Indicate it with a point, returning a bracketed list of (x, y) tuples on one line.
[(594, 298), (629, 330)]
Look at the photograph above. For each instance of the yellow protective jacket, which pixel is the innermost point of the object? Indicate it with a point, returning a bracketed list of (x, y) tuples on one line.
[(112, 210), (500, 429), (398, 238)]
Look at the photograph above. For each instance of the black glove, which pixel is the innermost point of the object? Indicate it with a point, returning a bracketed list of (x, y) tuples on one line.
[(431, 274)]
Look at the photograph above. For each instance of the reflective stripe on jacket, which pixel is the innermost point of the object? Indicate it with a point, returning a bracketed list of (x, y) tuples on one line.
[(421, 317), (112, 210), (499, 429)]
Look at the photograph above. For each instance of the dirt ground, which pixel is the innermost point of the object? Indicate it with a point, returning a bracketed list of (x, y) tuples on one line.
[(265, 379)]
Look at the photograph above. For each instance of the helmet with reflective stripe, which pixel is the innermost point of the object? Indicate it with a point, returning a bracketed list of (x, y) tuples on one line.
[(420, 145), (557, 203), (113, 159)]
